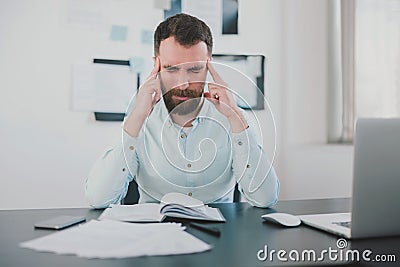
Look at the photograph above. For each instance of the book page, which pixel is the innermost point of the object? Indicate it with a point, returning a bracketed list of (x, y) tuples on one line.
[(204, 213), (146, 212), (175, 205), (182, 199)]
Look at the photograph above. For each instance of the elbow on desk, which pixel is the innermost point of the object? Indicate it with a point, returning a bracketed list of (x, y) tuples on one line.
[(268, 199), (267, 204), (96, 199)]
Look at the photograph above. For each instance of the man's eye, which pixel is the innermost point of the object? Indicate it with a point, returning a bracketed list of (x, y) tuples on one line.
[(172, 69), (195, 70)]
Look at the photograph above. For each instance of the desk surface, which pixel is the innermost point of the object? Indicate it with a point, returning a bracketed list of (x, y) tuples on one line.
[(243, 235)]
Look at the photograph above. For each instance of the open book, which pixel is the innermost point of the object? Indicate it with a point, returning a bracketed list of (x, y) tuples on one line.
[(174, 205)]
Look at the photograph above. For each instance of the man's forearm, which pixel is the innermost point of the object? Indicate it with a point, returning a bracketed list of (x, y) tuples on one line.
[(237, 122), (133, 123)]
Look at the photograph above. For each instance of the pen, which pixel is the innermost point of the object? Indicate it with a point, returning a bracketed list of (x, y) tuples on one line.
[(210, 230)]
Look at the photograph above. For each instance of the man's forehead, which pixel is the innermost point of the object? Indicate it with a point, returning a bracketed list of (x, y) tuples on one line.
[(171, 53), (169, 61)]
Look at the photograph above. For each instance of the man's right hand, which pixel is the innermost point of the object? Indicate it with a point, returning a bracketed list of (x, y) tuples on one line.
[(148, 96)]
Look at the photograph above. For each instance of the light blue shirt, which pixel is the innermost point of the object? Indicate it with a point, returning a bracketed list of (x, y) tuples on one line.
[(204, 161)]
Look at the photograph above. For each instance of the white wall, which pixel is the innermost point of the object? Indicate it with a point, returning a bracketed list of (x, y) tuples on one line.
[(47, 149), (310, 168)]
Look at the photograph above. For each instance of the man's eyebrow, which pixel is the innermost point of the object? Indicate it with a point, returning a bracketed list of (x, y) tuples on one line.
[(170, 67), (197, 67)]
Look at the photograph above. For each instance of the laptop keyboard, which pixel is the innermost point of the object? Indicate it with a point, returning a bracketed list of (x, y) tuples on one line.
[(344, 224)]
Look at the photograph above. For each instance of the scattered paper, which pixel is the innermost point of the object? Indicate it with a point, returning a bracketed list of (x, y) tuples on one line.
[(113, 239)]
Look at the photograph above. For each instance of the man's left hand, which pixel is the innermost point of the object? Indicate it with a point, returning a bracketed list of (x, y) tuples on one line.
[(223, 100)]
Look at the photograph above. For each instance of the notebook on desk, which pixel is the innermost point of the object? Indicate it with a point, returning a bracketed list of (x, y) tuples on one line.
[(173, 205), (375, 209)]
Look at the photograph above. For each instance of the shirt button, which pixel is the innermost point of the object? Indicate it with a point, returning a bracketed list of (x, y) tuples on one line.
[(131, 147), (189, 165), (182, 136), (248, 166), (190, 194), (123, 169), (240, 143)]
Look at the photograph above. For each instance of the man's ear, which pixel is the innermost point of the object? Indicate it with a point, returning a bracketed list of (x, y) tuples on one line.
[(209, 59), (154, 61)]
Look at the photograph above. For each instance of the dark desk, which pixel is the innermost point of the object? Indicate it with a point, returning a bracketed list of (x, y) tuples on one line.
[(243, 235)]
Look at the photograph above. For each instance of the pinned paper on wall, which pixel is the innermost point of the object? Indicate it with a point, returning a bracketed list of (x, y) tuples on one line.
[(210, 11), (102, 87), (87, 13), (118, 33), (147, 37), (220, 15), (162, 4), (245, 76)]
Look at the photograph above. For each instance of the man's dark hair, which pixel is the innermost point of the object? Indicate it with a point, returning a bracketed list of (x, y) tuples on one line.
[(186, 29)]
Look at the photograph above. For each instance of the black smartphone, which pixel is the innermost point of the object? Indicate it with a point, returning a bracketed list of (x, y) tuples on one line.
[(60, 222)]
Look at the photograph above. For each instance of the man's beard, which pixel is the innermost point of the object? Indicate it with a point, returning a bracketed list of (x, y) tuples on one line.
[(182, 107)]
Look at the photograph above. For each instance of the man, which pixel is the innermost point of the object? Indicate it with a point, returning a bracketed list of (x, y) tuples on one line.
[(180, 138)]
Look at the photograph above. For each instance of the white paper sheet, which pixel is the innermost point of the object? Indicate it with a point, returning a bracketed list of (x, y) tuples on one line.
[(102, 87), (92, 14), (113, 239), (145, 212), (210, 11), (241, 77), (151, 212)]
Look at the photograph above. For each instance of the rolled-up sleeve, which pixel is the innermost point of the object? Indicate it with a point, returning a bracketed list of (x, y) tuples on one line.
[(109, 178)]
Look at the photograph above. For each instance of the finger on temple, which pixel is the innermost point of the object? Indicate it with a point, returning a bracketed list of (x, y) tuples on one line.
[(156, 69), (214, 73)]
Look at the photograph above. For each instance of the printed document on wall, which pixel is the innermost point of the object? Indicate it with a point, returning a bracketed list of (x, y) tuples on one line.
[(210, 11), (102, 88)]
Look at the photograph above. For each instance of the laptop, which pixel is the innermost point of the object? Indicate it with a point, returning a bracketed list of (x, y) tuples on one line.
[(376, 185)]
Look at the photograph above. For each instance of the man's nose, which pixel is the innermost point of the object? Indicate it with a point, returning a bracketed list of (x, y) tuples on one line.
[(182, 82)]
